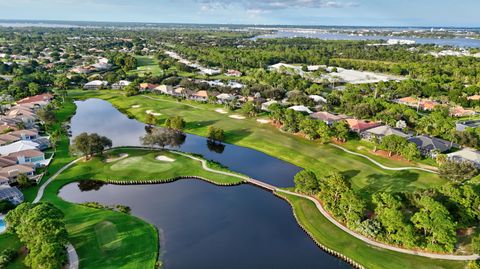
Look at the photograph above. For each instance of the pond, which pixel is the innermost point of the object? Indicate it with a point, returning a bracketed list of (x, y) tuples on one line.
[(3, 226), (202, 225), (99, 116), (206, 226)]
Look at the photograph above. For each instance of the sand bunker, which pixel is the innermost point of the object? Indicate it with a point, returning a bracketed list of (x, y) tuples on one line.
[(135, 106), (153, 113), (237, 117), (164, 159), (263, 121), (221, 111), (121, 156)]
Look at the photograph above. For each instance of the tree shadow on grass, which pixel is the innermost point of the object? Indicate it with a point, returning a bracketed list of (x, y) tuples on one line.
[(199, 124), (237, 135), (396, 182), (349, 174)]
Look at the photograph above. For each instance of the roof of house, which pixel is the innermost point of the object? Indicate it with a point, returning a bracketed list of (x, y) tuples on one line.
[(431, 143), (36, 98), (8, 138), (460, 111), (15, 170), (149, 86), (29, 132), (466, 154), (301, 109), (408, 100), (7, 193), (326, 116), (96, 83), (225, 96), (360, 125), (317, 98), (122, 83), (29, 153), (18, 146), (7, 161), (385, 130), (475, 97), (201, 94)]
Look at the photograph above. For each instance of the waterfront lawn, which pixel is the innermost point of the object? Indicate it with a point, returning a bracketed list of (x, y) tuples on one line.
[(371, 257), (364, 175), (11, 241), (142, 165)]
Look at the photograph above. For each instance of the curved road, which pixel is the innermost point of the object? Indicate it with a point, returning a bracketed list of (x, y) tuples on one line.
[(74, 258)]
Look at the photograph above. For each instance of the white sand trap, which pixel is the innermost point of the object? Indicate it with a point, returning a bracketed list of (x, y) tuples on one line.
[(121, 156), (164, 159), (263, 121), (135, 106), (237, 117), (221, 111), (153, 113)]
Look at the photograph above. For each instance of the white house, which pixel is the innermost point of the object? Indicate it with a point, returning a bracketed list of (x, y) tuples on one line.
[(165, 89), (33, 156), (224, 98), (18, 146), (303, 109), (266, 105), (466, 154), (317, 98), (120, 85), (95, 85)]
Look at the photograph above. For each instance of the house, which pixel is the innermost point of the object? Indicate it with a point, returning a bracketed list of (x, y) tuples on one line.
[(459, 111), (463, 125), (26, 134), (282, 66), (37, 100), (18, 146), (465, 155), (328, 118), (317, 98), (266, 105), (164, 89), (8, 138), (95, 85), (474, 97), (235, 85), (12, 172), (233, 73), (360, 126), (209, 71), (429, 146), (201, 96), (6, 161), (380, 132), (302, 109), (120, 85), (147, 86), (224, 98), (181, 92), (419, 104), (32, 156), (11, 194)]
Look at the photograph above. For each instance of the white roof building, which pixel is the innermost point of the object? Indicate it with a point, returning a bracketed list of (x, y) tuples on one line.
[(121, 84), (266, 105), (95, 84), (18, 146), (301, 109), (225, 97), (465, 154), (317, 98)]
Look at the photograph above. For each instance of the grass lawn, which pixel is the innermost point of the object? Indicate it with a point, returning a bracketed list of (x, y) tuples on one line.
[(147, 64), (329, 235), (365, 176)]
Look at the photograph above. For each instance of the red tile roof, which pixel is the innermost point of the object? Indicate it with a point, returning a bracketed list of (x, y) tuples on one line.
[(360, 125), (36, 98)]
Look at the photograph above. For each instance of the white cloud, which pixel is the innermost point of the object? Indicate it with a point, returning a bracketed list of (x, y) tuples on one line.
[(277, 4)]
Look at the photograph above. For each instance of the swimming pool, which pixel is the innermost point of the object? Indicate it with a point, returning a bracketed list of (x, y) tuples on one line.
[(3, 226)]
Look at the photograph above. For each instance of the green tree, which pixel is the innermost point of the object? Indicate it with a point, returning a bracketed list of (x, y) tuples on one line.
[(176, 123), (457, 171), (89, 145), (309, 127), (23, 181), (476, 243), (437, 225), (215, 134), (410, 152), (150, 120), (249, 109), (306, 182), (341, 130), (324, 132), (163, 137)]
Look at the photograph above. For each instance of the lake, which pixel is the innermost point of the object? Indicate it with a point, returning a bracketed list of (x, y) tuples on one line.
[(99, 116), (202, 225), (457, 42)]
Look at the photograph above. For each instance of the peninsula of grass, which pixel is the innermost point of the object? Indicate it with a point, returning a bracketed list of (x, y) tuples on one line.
[(365, 176), (143, 165), (328, 235)]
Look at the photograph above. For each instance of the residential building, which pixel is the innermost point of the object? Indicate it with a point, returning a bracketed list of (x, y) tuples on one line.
[(318, 99), (120, 85), (419, 104), (164, 89), (302, 109), (266, 105), (11, 194), (37, 100), (466, 154), (12, 172), (233, 73), (327, 117), (18, 146), (8, 138), (147, 86), (32, 156), (182, 92), (380, 132), (459, 111), (463, 125), (200, 96), (95, 85), (224, 98), (430, 146), (26, 134), (360, 126), (474, 97)]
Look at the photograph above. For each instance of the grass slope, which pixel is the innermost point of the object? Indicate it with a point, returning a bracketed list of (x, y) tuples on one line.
[(371, 257)]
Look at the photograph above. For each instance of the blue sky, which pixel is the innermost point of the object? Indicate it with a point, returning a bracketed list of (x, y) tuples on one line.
[(298, 12)]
